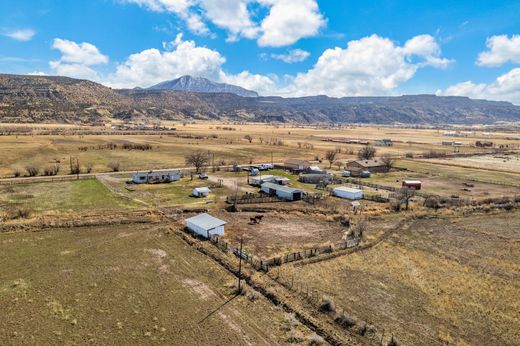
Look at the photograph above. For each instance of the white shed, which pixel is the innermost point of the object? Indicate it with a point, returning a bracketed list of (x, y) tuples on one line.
[(200, 191), (259, 180), (206, 225), (348, 192)]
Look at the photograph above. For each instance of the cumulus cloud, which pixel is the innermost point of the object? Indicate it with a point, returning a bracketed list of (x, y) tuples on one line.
[(292, 56), (505, 88), (286, 21), (22, 35), (372, 65), (290, 20), (76, 59), (181, 57), (501, 49)]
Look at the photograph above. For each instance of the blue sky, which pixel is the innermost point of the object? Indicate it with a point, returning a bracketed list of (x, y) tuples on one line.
[(279, 47)]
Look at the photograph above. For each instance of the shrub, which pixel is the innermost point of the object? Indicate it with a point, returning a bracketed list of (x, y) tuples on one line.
[(295, 337), (344, 321), (409, 155), (17, 173), (17, 212), (327, 305)]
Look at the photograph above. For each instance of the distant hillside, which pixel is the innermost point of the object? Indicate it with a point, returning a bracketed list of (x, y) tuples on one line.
[(202, 85), (62, 99)]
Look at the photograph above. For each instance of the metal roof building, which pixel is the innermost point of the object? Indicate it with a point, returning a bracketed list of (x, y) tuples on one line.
[(206, 225), (283, 192)]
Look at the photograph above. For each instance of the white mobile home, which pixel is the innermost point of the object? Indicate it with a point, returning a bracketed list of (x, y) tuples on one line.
[(206, 225), (348, 192), (283, 192), (152, 177), (200, 191)]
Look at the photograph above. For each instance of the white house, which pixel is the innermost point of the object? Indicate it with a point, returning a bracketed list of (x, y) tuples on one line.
[(348, 192), (151, 177), (206, 225), (200, 191), (283, 192)]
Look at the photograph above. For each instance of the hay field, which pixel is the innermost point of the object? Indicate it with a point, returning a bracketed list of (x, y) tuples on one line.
[(125, 285), (228, 145), (441, 281)]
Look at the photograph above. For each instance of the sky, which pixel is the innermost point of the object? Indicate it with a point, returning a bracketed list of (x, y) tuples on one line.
[(275, 47)]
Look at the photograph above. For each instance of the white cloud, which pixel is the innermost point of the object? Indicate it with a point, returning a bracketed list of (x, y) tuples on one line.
[(22, 35), (294, 55), (231, 15), (505, 88), (372, 65), (76, 59), (286, 22), (290, 20), (152, 66), (501, 49)]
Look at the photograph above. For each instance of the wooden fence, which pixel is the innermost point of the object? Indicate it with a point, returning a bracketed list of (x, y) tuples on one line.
[(251, 198)]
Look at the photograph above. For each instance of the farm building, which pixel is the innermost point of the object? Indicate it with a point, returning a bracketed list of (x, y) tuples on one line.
[(296, 164), (259, 180), (152, 177), (385, 142), (373, 166), (412, 184), (206, 225), (348, 192), (315, 170), (200, 191), (283, 192), (314, 178)]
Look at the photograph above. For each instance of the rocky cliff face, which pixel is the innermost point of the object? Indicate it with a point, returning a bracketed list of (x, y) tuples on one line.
[(62, 99)]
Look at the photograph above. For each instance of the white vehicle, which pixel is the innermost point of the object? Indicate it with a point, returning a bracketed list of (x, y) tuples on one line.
[(265, 166), (345, 174)]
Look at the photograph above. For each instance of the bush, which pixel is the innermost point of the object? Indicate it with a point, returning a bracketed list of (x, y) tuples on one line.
[(393, 342), (409, 155), (295, 337), (327, 305), (344, 320), (17, 173), (17, 212)]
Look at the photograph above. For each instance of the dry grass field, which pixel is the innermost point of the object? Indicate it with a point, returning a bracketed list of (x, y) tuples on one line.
[(226, 142), (441, 281), (126, 285)]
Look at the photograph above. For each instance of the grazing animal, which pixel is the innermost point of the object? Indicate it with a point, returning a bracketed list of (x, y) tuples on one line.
[(252, 221), (259, 218)]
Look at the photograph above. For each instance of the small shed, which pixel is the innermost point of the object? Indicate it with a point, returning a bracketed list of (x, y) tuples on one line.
[(206, 225), (260, 179), (412, 184), (283, 192), (348, 192), (200, 191)]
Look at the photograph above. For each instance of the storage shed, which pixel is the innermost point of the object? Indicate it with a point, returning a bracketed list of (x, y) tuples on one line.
[(348, 192), (412, 184), (206, 225), (200, 192), (283, 192)]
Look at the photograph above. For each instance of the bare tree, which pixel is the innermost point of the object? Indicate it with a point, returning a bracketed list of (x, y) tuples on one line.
[(367, 152), (32, 170), (331, 157), (74, 165), (89, 167), (388, 161), (197, 159), (404, 196), (114, 166), (51, 170), (249, 138), (339, 164), (17, 173)]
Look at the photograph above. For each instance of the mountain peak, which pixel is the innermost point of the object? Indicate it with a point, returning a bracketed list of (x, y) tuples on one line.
[(202, 85)]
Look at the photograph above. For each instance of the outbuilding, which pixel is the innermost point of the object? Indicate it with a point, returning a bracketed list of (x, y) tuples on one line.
[(200, 192), (373, 166), (152, 177), (296, 165), (348, 192), (282, 192), (206, 225), (412, 184)]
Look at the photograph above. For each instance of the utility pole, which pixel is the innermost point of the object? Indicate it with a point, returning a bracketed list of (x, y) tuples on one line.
[(240, 265), (272, 162)]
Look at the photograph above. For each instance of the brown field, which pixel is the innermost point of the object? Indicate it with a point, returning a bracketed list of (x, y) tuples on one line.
[(128, 285), (454, 281), (442, 279)]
